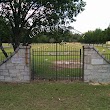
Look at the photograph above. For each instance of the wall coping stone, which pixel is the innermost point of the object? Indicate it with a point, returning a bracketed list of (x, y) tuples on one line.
[(17, 49)]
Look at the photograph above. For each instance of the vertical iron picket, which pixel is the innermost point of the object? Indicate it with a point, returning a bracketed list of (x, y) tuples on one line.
[(56, 61), (61, 62), (83, 64), (80, 64)]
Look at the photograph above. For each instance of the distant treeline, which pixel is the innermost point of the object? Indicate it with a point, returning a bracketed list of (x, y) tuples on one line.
[(96, 37), (56, 36), (91, 37)]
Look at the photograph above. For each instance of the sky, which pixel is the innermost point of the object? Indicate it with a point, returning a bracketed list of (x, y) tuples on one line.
[(96, 15)]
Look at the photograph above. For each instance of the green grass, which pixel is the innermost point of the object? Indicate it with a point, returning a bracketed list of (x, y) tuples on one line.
[(8, 49), (100, 49), (104, 51), (53, 46), (54, 96)]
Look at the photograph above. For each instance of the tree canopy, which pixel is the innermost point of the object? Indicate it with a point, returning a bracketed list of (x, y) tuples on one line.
[(5, 31), (55, 36), (96, 36), (26, 16)]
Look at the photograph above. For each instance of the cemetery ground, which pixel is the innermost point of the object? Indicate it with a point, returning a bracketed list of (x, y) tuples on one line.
[(54, 96), (101, 48), (104, 50)]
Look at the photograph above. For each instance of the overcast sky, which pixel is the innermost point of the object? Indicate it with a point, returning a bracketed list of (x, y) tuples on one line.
[(95, 15)]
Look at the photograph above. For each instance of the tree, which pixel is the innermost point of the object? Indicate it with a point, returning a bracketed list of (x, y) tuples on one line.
[(5, 33), (107, 34), (95, 36), (29, 17)]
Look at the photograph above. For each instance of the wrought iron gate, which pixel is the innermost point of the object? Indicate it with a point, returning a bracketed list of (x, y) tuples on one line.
[(57, 62)]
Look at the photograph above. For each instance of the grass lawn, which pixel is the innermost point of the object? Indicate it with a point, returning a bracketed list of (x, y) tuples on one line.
[(9, 50), (100, 49), (54, 96)]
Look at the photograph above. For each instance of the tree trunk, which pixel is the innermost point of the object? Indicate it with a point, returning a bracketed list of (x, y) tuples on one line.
[(15, 41), (15, 45)]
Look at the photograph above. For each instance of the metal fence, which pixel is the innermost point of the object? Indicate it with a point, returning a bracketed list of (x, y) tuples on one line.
[(57, 62), (106, 56)]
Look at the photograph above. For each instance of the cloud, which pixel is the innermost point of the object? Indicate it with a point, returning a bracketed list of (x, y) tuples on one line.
[(96, 15)]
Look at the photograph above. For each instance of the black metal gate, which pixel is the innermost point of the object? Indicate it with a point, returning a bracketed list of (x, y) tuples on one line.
[(57, 62)]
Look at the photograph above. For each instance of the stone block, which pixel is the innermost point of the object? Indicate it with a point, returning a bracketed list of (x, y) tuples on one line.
[(97, 67), (14, 79), (87, 72), (9, 64), (10, 67), (15, 71), (27, 68), (6, 70), (22, 64), (85, 53), (20, 67), (87, 59), (89, 67), (16, 55), (3, 66), (96, 56), (8, 79), (106, 75), (18, 60), (107, 80), (26, 78), (25, 73), (2, 77), (1, 71), (18, 78), (21, 78), (106, 65), (22, 53), (22, 71), (87, 78), (102, 71), (5, 73), (13, 75)]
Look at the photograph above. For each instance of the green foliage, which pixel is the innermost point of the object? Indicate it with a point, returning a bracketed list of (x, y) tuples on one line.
[(107, 34), (25, 16), (97, 36), (5, 31), (56, 36)]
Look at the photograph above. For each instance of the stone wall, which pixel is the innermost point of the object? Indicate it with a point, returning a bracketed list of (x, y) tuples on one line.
[(16, 68), (96, 68)]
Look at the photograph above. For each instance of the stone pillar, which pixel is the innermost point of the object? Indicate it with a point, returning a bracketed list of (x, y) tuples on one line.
[(96, 68), (16, 68)]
